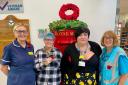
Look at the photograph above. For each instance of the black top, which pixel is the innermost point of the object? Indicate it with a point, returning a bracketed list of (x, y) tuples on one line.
[(70, 59)]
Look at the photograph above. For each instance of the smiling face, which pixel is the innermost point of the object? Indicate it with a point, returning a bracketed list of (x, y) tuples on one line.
[(83, 38), (49, 43), (108, 41), (21, 33)]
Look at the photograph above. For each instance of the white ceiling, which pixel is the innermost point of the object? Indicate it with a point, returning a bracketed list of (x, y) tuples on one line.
[(123, 7)]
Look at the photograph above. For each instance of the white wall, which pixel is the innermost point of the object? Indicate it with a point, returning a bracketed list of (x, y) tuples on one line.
[(98, 14)]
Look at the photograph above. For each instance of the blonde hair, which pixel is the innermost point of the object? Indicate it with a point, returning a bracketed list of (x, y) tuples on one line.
[(18, 25), (111, 34)]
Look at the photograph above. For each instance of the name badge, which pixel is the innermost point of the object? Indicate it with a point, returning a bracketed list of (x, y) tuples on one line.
[(30, 53), (81, 63)]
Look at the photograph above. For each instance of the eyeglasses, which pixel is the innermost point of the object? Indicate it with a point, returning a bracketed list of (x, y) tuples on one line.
[(109, 38), (21, 31), (49, 39)]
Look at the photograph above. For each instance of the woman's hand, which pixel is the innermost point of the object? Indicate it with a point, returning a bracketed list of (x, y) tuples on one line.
[(123, 78), (48, 61), (4, 69)]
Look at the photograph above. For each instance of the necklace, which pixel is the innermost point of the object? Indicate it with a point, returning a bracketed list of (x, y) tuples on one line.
[(82, 56), (82, 52), (49, 52)]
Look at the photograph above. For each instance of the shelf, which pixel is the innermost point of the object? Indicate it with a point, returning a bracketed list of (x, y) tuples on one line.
[(124, 39)]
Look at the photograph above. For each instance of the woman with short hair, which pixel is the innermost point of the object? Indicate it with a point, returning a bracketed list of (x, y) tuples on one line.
[(18, 59), (47, 62), (80, 61)]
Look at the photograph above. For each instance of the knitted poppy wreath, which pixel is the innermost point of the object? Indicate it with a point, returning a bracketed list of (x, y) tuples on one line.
[(67, 7)]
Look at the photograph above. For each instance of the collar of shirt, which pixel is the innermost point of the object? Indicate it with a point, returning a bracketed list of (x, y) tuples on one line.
[(16, 44)]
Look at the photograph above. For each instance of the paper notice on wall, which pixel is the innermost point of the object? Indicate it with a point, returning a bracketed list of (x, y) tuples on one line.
[(11, 6)]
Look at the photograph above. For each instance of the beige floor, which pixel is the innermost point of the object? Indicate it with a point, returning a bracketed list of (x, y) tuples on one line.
[(3, 79)]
